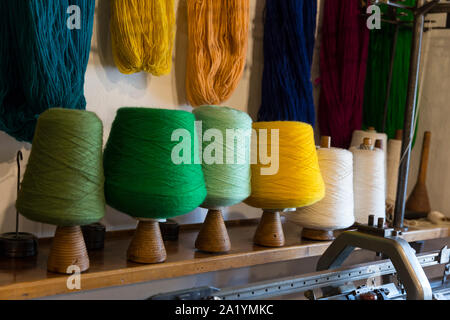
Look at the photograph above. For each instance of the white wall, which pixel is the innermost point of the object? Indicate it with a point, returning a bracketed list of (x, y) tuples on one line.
[(107, 89)]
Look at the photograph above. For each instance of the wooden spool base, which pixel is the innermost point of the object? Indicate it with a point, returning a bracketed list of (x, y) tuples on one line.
[(68, 249), (213, 236), (318, 235), (270, 231), (147, 245)]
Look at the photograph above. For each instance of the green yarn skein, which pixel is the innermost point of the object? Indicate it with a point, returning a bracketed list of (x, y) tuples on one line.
[(141, 178), (227, 184), (63, 183)]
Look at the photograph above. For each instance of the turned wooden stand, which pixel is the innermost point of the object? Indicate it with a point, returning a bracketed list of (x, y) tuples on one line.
[(68, 249), (213, 236), (147, 245), (270, 230)]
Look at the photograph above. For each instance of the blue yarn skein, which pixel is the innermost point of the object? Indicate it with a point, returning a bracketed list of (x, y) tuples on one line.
[(289, 37), (42, 61)]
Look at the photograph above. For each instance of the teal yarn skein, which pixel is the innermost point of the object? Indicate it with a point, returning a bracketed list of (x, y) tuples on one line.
[(63, 184), (142, 180), (226, 184), (42, 61)]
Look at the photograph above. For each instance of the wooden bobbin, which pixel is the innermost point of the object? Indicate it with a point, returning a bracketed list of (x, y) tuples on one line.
[(213, 236), (313, 234), (419, 201), (68, 249), (270, 231), (147, 245)]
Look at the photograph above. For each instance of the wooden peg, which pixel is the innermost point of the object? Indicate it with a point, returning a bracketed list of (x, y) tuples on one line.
[(68, 249), (379, 144), (399, 134), (325, 142), (147, 245), (366, 145), (371, 129), (270, 231), (213, 236), (419, 201)]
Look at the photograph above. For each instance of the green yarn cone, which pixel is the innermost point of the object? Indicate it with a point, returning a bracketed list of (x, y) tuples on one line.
[(141, 178), (227, 184), (63, 182)]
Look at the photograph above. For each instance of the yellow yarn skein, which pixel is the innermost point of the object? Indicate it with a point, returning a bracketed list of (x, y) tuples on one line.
[(298, 182), (142, 33)]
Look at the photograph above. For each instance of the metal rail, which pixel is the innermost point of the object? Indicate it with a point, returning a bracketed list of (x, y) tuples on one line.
[(268, 289)]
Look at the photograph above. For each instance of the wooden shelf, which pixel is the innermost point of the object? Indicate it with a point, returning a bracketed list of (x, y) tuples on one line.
[(28, 278)]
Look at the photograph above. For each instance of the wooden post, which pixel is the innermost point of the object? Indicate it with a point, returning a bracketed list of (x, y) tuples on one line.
[(313, 234), (419, 201), (270, 231), (68, 249), (213, 236), (147, 245)]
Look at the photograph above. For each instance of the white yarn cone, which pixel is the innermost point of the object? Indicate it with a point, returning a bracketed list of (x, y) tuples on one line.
[(369, 184), (335, 211)]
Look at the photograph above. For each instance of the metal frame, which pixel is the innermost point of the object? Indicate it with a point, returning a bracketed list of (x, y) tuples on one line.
[(397, 249), (291, 285)]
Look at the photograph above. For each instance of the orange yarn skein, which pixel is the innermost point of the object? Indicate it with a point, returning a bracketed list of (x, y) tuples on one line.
[(218, 34)]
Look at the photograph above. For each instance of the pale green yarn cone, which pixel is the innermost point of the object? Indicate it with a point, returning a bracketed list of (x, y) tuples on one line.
[(226, 184), (63, 182)]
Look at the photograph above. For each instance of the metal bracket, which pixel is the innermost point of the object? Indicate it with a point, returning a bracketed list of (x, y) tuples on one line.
[(444, 255), (385, 241)]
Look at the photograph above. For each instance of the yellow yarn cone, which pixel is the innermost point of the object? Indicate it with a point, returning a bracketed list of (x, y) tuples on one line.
[(290, 148)]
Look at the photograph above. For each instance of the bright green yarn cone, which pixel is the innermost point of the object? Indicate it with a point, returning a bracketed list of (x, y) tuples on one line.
[(141, 178), (63, 182), (226, 184)]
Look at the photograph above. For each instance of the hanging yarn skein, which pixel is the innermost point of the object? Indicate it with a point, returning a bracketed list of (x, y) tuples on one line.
[(227, 183), (289, 37), (336, 210), (380, 53), (142, 179), (42, 61), (298, 181), (343, 64), (142, 33), (218, 36), (63, 182), (369, 183)]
